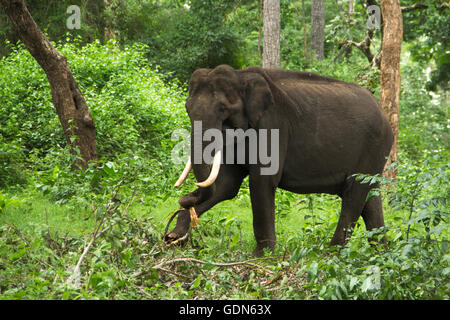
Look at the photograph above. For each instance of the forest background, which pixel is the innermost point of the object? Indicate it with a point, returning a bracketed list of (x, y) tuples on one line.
[(96, 233)]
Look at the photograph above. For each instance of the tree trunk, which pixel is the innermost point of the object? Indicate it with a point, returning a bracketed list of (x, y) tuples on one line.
[(351, 8), (390, 70), (271, 50), (72, 110), (110, 22), (305, 41), (317, 29), (260, 9)]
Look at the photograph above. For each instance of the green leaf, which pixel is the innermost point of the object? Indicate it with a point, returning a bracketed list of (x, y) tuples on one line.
[(55, 173), (19, 253), (196, 282), (313, 269), (353, 282)]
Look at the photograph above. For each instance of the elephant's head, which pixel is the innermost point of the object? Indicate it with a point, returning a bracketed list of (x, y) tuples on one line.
[(223, 98)]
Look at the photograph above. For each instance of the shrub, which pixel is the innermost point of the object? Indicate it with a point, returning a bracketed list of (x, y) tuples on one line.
[(133, 107), (11, 164)]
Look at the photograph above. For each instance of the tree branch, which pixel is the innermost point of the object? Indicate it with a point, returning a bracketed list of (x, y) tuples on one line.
[(419, 6), (415, 6), (364, 47), (222, 264)]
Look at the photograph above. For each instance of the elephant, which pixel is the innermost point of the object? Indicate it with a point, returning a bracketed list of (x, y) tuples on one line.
[(328, 131)]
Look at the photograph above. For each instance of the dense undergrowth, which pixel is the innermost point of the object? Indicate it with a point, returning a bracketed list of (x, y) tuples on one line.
[(96, 234)]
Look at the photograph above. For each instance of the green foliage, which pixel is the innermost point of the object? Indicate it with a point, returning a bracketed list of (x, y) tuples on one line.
[(427, 35), (134, 110), (423, 120), (11, 164), (128, 260), (423, 191), (49, 212), (132, 106), (181, 36), (195, 36), (51, 16), (27, 117), (6, 202)]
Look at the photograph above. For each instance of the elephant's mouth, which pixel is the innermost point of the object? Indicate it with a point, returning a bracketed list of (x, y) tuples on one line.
[(226, 125)]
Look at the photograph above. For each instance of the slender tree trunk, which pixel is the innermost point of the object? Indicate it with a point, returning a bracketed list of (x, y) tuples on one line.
[(390, 69), (317, 29), (350, 7), (305, 39), (72, 110), (110, 22), (260, 10), (271, 50)]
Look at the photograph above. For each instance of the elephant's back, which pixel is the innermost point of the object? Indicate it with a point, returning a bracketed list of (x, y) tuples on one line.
[(326, 99), (323, 93), (337, 117), (342, 120)]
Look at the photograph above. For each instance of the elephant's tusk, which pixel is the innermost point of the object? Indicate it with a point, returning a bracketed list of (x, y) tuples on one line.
[(214, 171), (183, 176)]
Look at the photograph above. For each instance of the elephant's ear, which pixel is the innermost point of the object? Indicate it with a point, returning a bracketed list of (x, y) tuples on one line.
[(261, 94), (257, 96)]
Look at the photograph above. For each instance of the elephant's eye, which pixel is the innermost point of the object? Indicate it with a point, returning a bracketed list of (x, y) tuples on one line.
[(222, 107)]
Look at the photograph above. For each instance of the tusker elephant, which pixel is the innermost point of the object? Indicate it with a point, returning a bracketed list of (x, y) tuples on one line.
[(327, 131)]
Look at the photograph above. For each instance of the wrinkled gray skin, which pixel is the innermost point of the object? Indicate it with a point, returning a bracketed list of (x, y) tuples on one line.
[(329, 130)]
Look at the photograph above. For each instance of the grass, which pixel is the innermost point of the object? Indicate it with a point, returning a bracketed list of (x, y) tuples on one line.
[(41, 242)]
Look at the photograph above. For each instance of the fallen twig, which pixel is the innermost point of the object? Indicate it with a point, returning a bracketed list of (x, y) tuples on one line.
[(75, 274), (217, 264)]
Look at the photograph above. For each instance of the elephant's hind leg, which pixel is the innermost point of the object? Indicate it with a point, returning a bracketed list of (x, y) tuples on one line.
[(353, 201), (373, 214)]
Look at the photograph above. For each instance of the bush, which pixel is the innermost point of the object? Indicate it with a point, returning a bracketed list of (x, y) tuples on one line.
[(423, 121), (183, 39), (11, 164), (26, 110), (134, 108)]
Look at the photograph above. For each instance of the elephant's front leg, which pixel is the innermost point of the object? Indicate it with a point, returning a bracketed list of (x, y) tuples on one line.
[(262, 194)]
